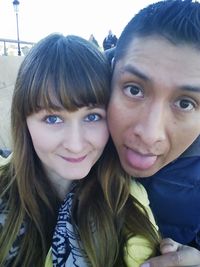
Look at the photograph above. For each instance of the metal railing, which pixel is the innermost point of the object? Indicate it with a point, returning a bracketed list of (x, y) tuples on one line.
[(9, 47)]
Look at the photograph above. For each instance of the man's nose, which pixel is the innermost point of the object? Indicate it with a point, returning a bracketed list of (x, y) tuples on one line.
[(151, 125)]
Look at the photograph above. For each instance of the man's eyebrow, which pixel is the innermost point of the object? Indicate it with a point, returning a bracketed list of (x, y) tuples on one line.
[(190, 88), (133, 70)]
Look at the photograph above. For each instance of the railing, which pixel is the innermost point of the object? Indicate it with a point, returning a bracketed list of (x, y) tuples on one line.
[(9, 47)]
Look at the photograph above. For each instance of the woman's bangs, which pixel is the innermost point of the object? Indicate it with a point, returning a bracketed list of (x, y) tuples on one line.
[(65, 86), (61, 95), (75, 92)]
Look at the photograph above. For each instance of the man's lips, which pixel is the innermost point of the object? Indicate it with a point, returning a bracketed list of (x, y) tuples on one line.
[(74, 160), (138, 160)]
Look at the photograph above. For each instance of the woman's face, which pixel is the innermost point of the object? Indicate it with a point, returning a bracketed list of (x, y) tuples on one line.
[(68, 143)]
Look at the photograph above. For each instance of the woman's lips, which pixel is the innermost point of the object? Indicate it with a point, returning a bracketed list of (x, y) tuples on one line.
[(74, 160), (139, 161)]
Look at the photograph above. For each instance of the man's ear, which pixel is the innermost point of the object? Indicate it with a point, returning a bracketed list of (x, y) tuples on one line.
[(109, 53), (112, 63)]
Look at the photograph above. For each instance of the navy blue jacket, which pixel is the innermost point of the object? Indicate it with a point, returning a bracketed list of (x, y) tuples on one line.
[(174, 194)]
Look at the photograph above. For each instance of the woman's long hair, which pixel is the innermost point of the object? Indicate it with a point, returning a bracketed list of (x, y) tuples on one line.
[(59, 72), (65, 72)]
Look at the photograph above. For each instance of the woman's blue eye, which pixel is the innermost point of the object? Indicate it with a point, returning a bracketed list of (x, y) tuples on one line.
[(53, 119), (93, 117)]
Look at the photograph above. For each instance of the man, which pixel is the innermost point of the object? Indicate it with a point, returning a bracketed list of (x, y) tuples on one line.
[(109, 41), (154, 117)]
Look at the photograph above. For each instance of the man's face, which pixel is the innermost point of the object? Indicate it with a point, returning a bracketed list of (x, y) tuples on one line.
[(154, 111)]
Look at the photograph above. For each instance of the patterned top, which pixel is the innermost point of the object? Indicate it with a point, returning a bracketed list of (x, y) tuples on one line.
[(15, 247), (65, 249), (3, 215)]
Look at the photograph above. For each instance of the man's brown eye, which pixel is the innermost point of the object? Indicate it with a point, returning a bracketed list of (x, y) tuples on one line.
[(184, 103), (134, 90)]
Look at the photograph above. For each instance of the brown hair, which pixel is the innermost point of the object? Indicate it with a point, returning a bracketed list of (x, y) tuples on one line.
[(75, 73)]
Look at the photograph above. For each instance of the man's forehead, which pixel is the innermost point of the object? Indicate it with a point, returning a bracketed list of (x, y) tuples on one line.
[(152, 42), (152, 53)]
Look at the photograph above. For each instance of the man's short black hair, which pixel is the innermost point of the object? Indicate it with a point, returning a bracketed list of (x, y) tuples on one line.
[(176, 20)]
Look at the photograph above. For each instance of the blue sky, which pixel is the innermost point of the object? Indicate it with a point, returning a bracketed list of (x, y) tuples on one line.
[(38, 18)]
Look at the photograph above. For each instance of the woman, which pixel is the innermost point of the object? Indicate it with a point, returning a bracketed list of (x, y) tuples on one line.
[(59, 132)]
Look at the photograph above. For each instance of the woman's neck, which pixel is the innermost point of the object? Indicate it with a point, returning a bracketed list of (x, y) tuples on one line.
[(60, 185)]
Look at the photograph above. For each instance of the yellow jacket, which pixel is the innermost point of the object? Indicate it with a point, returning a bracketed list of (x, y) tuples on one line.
[(138, 249)]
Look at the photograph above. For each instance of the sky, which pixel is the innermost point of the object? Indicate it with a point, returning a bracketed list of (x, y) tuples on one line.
[(38, 18)]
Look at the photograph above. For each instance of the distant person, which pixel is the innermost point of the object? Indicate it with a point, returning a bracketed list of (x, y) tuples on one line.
[(93, 40), (109, 41)]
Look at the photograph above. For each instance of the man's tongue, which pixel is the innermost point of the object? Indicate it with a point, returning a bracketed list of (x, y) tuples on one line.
[(139, 161)]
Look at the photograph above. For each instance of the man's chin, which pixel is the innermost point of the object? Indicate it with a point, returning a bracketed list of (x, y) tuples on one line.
[(140, 173)]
